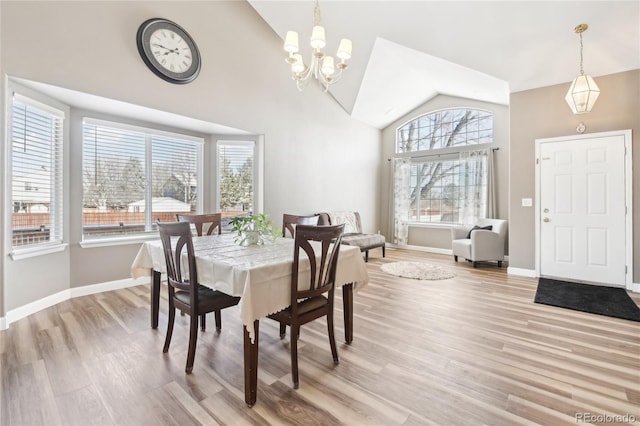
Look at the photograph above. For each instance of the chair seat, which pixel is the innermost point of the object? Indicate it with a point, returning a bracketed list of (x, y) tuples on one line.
[(304, 307), (208, 299), (364, 241)]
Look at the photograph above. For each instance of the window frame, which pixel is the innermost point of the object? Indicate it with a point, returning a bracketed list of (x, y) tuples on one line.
[(149, 134), (440, 154), (44, 103)]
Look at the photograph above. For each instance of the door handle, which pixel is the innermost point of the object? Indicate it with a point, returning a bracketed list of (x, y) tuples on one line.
[(546, 219)]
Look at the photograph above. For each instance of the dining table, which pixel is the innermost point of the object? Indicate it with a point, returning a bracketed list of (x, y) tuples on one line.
[(259, 274)]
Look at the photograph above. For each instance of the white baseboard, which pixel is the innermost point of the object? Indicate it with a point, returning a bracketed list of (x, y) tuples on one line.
[(33, 307), (434, 250), (108, 286), (531, 273), (427, 249)]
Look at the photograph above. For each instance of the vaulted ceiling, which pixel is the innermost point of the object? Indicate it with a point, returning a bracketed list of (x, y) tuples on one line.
[(407, 52)]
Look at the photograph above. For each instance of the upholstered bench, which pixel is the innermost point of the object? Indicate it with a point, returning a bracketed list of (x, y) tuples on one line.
[(353, 235)]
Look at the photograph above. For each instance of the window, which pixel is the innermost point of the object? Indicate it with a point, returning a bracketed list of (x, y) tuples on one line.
[(133, 176), (441, 172), (236, 178), (449, 128), (36, 162)]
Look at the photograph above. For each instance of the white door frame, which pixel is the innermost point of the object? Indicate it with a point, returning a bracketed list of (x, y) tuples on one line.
[(628, 198)]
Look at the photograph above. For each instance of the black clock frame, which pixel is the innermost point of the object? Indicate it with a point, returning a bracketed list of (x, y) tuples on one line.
[(143, 36)]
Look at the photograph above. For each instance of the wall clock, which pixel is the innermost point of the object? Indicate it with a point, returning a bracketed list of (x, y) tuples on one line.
[(168, 50)]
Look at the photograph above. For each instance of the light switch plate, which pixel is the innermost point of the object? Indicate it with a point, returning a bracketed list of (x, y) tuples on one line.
[(527, 202)]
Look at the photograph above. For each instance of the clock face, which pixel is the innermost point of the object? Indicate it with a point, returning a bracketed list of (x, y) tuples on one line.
[(171, 51), (168, 51)]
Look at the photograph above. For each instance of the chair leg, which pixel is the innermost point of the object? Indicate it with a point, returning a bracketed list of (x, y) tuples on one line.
[(203, 322), (383, 249), (172, 318), (218, 319), (366, 255), (455, 258), (283, 330), (332, 338), (295, 329), (499, 263), (193, 338)]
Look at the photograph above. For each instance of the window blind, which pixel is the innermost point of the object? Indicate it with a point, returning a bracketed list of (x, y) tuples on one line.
[(133, 176), (37, 172)]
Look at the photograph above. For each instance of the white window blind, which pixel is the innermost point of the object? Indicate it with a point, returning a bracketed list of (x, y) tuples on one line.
[(37, 172), (133, 176), (236, 176)]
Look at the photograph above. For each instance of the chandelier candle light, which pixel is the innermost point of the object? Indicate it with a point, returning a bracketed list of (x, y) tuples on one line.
[(321, 67), (583, 92)]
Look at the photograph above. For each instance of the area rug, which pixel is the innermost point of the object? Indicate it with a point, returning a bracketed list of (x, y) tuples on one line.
[(417, 270), (595, 299)]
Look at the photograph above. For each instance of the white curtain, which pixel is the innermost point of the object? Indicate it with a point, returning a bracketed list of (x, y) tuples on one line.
[(401, 200), (492, 211), (474, 196)]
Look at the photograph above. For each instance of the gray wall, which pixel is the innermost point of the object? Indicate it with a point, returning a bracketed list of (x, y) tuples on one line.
[(543, 113), (434, 237), (316, 157)]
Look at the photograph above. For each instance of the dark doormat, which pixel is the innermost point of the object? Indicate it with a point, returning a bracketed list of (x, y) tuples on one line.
[(595, 299)]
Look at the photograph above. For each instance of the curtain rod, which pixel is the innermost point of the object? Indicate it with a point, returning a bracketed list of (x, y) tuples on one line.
[(438, 155)]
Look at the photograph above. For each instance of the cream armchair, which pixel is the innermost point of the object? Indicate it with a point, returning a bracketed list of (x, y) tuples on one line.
[(480, 245)]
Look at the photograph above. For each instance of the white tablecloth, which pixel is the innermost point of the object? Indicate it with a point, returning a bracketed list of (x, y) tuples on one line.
[(260, 274)]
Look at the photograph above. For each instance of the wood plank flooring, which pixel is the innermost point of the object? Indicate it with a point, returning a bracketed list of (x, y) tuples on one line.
[(471, 350)]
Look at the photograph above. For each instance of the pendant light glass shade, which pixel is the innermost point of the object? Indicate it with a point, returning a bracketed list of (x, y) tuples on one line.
[(582, 94)]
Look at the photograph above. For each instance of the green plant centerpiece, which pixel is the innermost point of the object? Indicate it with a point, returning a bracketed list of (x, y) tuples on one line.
[(254, 229)]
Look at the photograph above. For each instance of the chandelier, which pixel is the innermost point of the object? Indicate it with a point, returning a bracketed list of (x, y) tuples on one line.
[(583, 92), (321, 66)]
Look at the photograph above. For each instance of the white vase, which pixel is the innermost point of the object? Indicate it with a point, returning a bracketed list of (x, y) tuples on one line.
[(251, 237)]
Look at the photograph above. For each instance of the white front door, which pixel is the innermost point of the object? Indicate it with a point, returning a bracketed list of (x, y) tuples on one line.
[(582, 227)]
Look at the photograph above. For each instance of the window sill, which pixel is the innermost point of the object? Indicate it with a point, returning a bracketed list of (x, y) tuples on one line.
[(118, 241), (26, 253), (433, 225)]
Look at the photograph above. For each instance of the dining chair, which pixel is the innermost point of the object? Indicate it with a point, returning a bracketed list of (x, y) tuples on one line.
[(208, 222), (290, 221), (185, 293), (313, 276)]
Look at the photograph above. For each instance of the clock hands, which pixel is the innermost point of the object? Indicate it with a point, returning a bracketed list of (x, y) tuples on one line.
[(175, 50)]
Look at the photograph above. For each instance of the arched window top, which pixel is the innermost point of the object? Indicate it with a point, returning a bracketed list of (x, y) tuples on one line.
[(447, 128)]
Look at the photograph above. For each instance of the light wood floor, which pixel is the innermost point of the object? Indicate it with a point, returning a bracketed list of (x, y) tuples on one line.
[(472, 350)]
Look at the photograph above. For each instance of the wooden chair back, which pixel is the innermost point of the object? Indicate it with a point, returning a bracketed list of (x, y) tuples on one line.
[(176, 237), (290, 221), (322, 273), (203, 222)]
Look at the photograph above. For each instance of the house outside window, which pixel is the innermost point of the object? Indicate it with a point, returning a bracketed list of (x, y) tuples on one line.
[(133, 176), (441, 167), (36, 163)]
